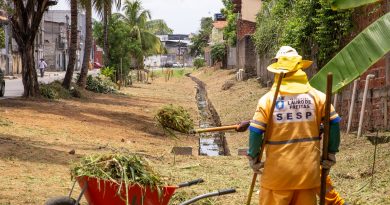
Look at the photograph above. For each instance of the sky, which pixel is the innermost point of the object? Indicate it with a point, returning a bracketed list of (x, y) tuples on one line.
[(183, 16)]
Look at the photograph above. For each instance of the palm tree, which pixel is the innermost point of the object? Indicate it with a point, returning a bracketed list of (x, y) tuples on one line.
[(137, 18), (87, 4), (104, 8), (72, 46), (158, 27)]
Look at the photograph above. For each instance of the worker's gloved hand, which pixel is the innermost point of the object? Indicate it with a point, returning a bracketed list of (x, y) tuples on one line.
[(243, 126), (327, 164), (256, 166)]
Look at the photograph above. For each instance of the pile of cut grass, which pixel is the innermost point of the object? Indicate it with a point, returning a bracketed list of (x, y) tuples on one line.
[(54, 90), (121, 169), (175, 118)]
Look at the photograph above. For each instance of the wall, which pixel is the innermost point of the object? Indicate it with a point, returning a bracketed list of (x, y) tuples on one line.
[(249, 9), (231, 57), (247, 56), (377, 111), (245, 28), (216, 36)]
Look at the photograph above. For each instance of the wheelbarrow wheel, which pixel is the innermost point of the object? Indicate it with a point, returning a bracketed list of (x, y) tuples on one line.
[(61, 200)]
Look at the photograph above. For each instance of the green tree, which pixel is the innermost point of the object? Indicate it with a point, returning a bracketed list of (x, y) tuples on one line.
[(104, 7), (137, 18), (230, 31), (121, 44), (25, 20), (310, 26), (158, 27), (200, 40), (218, 52)]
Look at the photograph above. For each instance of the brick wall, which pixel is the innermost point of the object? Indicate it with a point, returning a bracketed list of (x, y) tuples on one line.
[(245, 28), (377, 110)]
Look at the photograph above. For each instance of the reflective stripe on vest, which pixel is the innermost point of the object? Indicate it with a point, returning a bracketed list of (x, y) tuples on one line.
[(308, 139), (259, 123)]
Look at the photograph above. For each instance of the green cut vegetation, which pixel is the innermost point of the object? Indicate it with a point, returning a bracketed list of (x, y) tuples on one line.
[(359, 55), (122, 169), (176, 118), (118, 168)]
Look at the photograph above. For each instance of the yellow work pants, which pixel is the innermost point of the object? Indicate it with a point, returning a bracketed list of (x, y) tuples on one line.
[(288, 197), (300, 197), (332, 197)]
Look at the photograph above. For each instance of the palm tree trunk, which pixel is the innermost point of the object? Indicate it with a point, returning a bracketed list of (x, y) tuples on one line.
[(72, 46), (88, 45), (106, 18)]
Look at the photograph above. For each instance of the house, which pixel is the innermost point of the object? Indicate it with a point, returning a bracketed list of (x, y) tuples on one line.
[(177, 52), (246, 27), (216, 36), (57, 39), (51, 42)]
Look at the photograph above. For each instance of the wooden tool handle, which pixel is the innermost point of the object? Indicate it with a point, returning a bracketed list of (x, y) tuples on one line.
[(266, 134), (216, 129), (325, 140)]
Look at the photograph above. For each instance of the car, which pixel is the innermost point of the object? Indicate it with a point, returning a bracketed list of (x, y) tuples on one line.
[(2, 83), (168, 65)]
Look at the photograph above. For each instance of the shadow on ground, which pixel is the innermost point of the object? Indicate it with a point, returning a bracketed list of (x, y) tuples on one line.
[(13, 147)]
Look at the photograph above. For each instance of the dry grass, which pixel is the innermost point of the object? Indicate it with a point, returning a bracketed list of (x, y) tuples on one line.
[(34, 145)]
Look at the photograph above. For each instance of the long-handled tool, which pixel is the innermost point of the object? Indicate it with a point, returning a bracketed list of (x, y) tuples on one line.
[(266, 134), (325, 140), (215, 129)]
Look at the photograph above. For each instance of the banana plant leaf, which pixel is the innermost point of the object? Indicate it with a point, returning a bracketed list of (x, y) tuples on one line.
[(347, 4), (357, 57)]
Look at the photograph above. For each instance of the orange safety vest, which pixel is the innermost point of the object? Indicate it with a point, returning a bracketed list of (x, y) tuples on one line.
[(293, 146)]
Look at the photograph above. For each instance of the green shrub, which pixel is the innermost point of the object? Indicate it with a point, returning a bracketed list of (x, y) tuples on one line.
[(100, 84), (218, 52), (108, 72), (54, 90), (199, 62), (75, 92), (47, 91)]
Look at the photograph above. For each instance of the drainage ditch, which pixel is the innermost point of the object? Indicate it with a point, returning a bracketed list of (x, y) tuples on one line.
[(213, 143)]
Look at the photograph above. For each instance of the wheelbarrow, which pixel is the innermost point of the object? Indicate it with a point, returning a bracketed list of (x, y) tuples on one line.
[(101, 192)]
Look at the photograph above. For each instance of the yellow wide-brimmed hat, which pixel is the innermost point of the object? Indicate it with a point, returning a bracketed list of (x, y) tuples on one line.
[(288, 61)]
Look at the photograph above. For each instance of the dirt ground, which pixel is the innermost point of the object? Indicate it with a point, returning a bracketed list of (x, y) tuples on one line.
[(36, 136)]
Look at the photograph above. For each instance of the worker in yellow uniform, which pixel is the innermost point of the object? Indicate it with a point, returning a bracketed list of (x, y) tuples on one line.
[(291, 172)]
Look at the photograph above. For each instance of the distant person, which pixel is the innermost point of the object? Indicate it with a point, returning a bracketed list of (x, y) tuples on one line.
[(42, 66)]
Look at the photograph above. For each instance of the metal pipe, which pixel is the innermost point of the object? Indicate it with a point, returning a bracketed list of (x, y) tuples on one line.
[(364, 104), (352, 105)]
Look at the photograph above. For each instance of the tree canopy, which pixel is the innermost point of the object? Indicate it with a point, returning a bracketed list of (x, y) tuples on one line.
[(200, 40)]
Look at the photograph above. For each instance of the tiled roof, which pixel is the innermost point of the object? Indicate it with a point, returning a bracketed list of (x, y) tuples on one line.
[(220, 24)]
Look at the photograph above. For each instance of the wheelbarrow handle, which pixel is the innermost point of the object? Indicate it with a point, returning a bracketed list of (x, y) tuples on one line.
[(226, 191), (190, 183), (207, 195)]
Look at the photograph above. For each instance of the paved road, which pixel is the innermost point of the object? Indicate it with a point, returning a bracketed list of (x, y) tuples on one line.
[(14, 88)]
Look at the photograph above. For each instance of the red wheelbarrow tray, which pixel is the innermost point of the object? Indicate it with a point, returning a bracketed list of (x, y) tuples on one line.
[(104, 192)]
